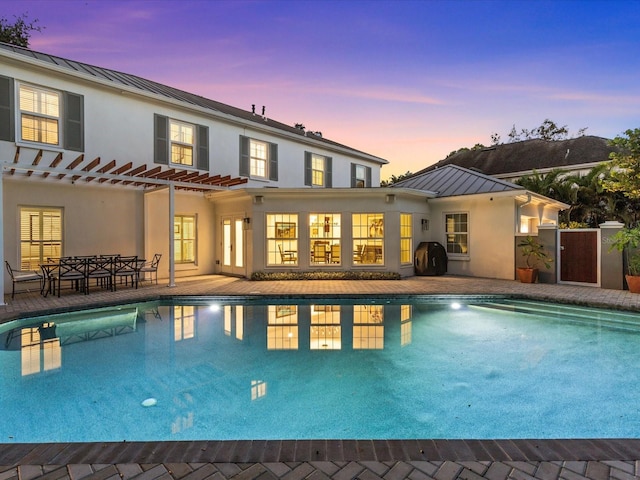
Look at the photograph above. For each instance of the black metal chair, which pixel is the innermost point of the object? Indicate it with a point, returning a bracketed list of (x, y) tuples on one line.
[(151, 268), (73, 271), (125, 268), (99, 269), (23, 276)]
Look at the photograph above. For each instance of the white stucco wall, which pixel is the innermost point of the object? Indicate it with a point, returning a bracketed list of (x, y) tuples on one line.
[(119, 123), (491, 232)]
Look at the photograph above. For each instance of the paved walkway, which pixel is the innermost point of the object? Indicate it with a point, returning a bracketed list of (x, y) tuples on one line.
[(317, 459)]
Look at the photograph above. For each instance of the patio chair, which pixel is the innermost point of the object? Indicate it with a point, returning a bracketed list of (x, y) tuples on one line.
[(99, 269), (287, 256), (151, 268), (70, 270), (125, 268), (23, 276)]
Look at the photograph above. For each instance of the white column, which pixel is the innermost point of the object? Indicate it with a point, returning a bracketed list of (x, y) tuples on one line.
[(172, 253)]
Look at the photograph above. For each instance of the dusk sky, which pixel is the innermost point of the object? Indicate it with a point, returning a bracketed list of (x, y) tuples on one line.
[(408, 81)]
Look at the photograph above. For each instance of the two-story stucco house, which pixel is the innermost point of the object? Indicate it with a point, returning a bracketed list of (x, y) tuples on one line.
[(96, 161)]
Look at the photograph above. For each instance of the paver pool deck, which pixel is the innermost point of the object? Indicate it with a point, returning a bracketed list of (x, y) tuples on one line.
[(317, 459)]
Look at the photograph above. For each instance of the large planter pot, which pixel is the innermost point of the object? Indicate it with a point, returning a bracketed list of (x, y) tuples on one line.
[(528, 275), (633, 281)]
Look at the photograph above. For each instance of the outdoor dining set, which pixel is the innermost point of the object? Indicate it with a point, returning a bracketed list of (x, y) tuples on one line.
[(82, 273)]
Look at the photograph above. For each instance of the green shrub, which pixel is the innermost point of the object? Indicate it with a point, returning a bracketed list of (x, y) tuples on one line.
[(354, 275)]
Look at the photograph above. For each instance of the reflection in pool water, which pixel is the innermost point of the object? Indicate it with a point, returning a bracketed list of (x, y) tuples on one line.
[(225, 369)]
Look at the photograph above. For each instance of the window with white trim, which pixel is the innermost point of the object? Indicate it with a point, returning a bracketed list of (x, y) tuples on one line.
[(368, 238), (40, 236), (406, 238), (182, 138), (184, 238), (282, 239), (39, 115), (258, 158), (457, 233)]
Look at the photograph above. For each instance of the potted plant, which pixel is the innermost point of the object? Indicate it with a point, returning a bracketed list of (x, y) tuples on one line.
[(534, 255), (624, 241)]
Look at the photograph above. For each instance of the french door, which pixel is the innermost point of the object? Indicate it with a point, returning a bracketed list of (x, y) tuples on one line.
[(233, 261)]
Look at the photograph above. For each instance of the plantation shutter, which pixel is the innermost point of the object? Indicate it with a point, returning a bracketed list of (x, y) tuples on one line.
[(161, 139), (307, 169), (40, 236), (273, 161), (244, 156), (202, 147), (73, 121), (328, 181), (7, 119)]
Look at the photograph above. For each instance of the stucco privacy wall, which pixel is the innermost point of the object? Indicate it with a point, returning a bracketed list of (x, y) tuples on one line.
[(343, 201), (119, 124), (156, 230), (491, 231), (95, 220)]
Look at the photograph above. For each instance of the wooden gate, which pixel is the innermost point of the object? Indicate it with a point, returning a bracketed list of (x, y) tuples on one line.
[(579, 256)]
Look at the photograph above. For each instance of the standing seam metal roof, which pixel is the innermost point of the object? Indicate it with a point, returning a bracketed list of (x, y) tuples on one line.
[(451, 180), (155, 88)]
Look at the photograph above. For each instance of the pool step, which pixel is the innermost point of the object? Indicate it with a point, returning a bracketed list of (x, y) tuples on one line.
[(574, 313)]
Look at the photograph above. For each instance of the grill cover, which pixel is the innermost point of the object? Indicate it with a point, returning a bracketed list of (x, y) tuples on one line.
[(430, 259)]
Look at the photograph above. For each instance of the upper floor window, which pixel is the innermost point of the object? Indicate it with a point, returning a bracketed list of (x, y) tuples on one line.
[(182, 137), (39, 115), (35, 114), (360, 176), (317, 170), (457, 233), (258, 159), (180, 143)]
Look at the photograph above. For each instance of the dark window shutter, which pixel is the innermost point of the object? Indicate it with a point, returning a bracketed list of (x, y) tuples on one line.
[(73, 122), (353, 175), (7, 118), (368, 174), (307, 169), (273, 161), (161, 139), (328, 181), (244, 156), (203, 147)]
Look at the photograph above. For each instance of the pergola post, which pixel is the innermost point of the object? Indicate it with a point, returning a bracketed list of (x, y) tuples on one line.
[(172, 253)]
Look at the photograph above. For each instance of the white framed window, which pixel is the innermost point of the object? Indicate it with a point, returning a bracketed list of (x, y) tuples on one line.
[(258, 158), (368, 238), (406, 238), (282, 239), (40, 236), (457, 233), (40, 117), (324, 235), (182, 137), (184, 238), (317, 170)]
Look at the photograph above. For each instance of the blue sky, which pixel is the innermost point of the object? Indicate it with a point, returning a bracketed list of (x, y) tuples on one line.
[(409, 81)]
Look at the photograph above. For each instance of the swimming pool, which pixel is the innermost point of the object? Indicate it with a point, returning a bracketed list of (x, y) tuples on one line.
[(220, 369)]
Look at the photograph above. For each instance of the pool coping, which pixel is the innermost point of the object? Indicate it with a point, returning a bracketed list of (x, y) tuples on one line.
[(261, 451)]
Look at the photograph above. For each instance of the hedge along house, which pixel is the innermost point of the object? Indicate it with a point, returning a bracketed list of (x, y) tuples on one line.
[(96, 161)]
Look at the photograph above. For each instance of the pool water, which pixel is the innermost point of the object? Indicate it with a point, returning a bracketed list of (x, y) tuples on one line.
[(366, 369)]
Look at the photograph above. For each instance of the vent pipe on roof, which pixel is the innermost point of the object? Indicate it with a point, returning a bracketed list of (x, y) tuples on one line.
[(253, 108)]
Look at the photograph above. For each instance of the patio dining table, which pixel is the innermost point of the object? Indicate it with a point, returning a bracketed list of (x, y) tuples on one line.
[(80, 271)]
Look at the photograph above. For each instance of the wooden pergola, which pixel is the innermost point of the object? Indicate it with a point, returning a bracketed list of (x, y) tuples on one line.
[(114, 174)]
